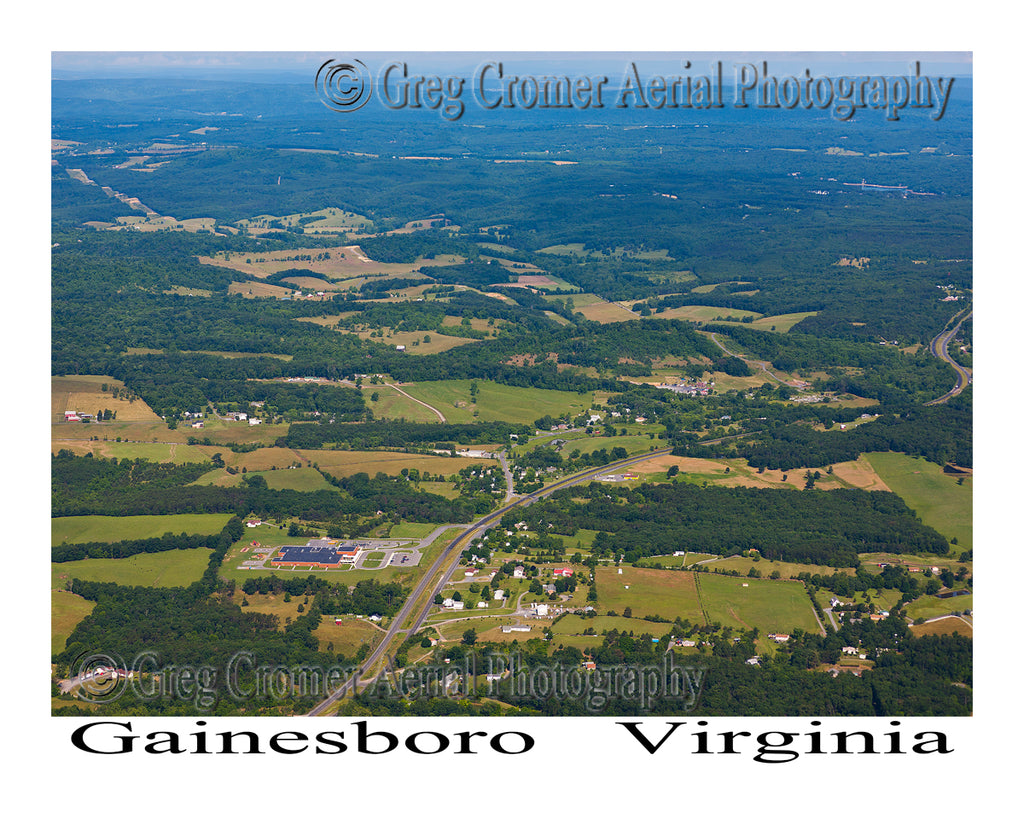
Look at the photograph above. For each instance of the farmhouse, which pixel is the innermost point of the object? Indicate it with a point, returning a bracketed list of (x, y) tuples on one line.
[(562, 572)]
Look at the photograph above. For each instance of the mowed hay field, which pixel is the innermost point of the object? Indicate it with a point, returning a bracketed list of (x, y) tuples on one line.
[(66, 611), (496, 402), (84, 393), (770, 605), (937, 498), (110, 529), (179, 567), (342, 464), (391, 404), (765, 604), (665, 593), (946, 625)]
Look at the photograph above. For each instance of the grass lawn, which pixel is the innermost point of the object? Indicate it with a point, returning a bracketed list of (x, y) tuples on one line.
[(178, 567), (934, 495), (416, 531), (110, 529)]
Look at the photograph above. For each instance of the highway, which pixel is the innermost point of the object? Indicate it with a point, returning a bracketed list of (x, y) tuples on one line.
[(417, 605), (940, 349)]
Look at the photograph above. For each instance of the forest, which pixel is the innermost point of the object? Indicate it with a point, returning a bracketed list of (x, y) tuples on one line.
[(828, 528), (629, 217)]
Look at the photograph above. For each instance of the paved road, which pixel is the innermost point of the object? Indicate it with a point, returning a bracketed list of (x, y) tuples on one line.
[(418, 603), (762, 364), (509, 490), (940, 349)]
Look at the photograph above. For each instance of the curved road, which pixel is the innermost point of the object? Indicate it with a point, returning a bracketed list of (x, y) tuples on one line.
[(418, 603), (940, 349), (434, 410), (762, 364)]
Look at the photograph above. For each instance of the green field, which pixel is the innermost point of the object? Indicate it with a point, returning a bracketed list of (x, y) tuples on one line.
[(416, 531), (934, 495), (767, 605), (665, 593), (780, 324), (496, 402), (110, 529), (178, 567), (66, 611), (928, 606), (574, 625), (392, 405), (301, 480)]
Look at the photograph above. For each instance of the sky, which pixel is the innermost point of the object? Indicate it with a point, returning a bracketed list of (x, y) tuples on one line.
[(298, 65)]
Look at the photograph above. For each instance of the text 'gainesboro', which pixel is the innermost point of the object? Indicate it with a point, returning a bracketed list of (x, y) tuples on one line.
[(110, 738)]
